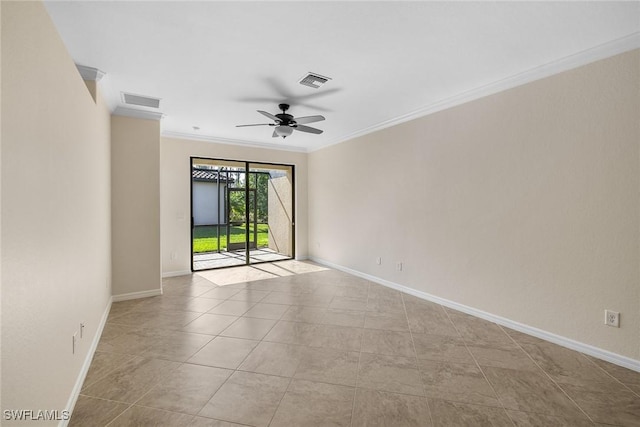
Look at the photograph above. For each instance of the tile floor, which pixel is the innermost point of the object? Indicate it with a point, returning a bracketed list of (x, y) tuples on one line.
[(303, 345)]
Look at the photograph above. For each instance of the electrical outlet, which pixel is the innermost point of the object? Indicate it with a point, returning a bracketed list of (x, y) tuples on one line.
[(399, 266), (612, 318), (378, 260)]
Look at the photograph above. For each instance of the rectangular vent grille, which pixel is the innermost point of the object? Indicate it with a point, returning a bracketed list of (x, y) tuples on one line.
[(314, 80), (143, 101)]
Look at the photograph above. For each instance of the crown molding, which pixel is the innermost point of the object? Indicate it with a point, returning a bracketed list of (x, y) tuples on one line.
[(137, 114), (90, 73), (567, 63), (229, 141)]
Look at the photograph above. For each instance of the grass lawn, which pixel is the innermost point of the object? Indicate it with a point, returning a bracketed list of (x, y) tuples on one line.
[(205, 238)]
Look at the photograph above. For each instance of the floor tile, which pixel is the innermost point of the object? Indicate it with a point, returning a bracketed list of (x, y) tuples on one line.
[(299, 313), (186, 390), (428, 318), (337, 337), (274, 359), (480, 332), (389, 373), (626, 376), (162, 319), (387, 321), (387, 342), (380, 291), (194, 290), (209, 422), (211, 324), (311, 300), (176, 345), (347, 303), (344, 318), (229, 276), (220, 293), (458, 382), (102, 364), (249, 328), (454, 414), (247, 398), (529, 419), (291, 333), (374, 408), (327, 365), (385, 304), (174, 356), (441, 347), (90, 411), (566, 366), (267, 311), (232, 308), (223, 352), (512, 358), (283, 298), (360, 292), (201, 305), (114, 330), (249, 295), (131, 380), (606, 404), (141, 416), (529, 391), (131, 343), (312, 404)]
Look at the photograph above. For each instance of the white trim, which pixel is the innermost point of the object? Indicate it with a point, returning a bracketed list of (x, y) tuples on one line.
[(136, 295), (176, 273), (229, 141), (137, 114), (90, 73), (570, 62), (588, 349), (75, 393)]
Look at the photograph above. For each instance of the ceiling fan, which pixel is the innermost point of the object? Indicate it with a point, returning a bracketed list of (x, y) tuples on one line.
[(286, 123)]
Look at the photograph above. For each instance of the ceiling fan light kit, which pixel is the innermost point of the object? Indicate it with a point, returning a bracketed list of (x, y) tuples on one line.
[(283, 131), (285, 123)]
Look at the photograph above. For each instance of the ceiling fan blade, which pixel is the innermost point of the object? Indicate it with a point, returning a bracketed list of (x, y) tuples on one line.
[(271, 116), (307, 129), (308, 119), (257, 124), (275, 135)]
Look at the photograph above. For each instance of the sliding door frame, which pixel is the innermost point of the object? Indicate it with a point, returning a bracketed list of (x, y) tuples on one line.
[(247, 165)]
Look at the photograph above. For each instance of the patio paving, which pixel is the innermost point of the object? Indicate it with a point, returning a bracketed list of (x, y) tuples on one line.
[(210, 260)]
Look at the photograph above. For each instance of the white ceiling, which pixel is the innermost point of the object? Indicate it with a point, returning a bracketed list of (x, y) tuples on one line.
[(214, 64)]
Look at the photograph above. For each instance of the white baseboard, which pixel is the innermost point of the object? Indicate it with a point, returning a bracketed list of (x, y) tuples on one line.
[(176, 273), (136, 295), (75, 393), (588, 349)]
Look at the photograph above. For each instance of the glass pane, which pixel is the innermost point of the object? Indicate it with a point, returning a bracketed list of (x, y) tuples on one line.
[(218, 209), (271, 215)]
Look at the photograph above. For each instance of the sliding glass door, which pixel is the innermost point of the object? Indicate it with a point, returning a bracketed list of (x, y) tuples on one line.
[(242, 213)]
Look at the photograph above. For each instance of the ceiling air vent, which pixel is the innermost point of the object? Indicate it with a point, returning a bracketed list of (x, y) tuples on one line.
[(142, 101), (314, 80)]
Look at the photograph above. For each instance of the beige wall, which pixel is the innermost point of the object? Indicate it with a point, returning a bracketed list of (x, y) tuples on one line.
[(175, 197), (55, 213), (524, 204), (135, 201)]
